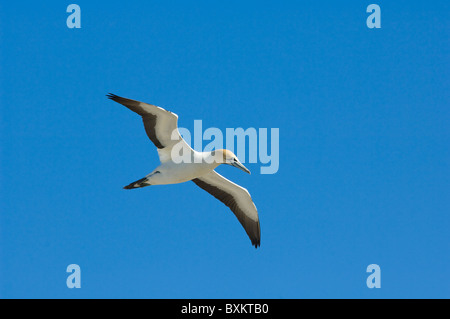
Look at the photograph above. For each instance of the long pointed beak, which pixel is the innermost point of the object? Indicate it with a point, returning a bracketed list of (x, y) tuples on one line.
[(240, 166)]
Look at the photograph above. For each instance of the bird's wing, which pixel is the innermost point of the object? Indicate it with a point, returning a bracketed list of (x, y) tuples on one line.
[(237, 199), (160, 125)]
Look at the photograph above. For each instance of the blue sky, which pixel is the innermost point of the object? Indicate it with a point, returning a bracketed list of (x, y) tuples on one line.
[(364, 149)]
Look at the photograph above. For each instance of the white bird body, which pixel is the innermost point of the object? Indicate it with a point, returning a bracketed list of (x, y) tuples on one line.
[(171, 172), (162, 129)]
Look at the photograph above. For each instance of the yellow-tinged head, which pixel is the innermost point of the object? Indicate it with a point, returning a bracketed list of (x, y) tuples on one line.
[(228, 157)]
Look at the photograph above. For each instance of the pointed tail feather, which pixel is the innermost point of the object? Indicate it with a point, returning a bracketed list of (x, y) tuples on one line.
[(143, 182)]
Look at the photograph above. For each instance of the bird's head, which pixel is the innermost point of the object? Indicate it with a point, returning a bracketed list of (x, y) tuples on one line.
[(228, 157)]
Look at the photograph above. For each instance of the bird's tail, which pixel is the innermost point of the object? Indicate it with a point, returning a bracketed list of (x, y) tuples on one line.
[(143, 182)]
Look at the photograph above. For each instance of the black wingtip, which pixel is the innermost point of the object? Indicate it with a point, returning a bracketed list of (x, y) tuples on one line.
[(112, 96)]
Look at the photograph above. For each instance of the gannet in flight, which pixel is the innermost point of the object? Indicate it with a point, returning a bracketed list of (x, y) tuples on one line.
[(162, 129)]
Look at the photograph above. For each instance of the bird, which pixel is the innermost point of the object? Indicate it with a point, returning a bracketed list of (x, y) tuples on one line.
[(161, 127)]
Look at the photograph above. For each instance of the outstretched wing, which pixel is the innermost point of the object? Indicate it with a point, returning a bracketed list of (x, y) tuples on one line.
[(160, 125), (237, 199)]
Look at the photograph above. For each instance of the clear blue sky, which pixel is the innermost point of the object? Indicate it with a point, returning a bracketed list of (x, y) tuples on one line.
[(364, 148)]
